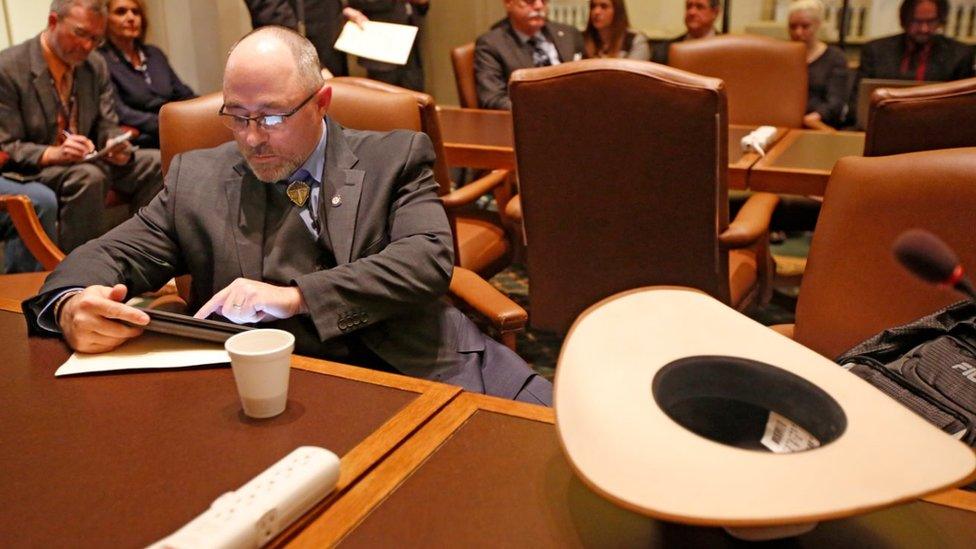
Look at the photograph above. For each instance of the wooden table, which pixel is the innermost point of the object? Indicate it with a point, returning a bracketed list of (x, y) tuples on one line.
[(479, 138), (124, 459), (486, 472), (20, 286), (801, 162)]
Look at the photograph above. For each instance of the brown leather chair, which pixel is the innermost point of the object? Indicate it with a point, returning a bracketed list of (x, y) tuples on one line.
[(353, 106), (933, 116), (462, 59), (30, 231), (853, 287), (481, 244), (765, 78), (630, 189)]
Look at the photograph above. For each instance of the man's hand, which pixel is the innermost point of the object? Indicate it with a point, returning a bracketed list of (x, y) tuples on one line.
[(246, 301), (91, 319), (72, 151), (119, 155), (355, 16)]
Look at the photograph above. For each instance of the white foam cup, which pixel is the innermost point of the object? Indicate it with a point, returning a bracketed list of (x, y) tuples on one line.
[(261, 361)]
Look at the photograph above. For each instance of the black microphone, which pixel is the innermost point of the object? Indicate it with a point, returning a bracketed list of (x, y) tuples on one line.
[(932, 260)]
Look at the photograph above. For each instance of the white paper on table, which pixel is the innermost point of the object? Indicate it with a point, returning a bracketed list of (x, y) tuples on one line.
[(150, 350), (386, 42)]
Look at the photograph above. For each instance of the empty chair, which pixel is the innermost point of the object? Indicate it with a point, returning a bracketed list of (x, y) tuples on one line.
[(630, 189), (765, 78), (933, 116), (481, 243), (352, 106), (853, 287), (462, 59)]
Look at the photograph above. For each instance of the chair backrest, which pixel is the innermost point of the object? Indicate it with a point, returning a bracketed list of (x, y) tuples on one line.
[(628, 191), (765, 78), (934, 116), (462, 59), (429, 122), (195, 124), (852, 286)]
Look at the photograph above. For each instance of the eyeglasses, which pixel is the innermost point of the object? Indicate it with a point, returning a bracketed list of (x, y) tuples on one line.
[(530, 3), (267, 122), (96, 40), (930, 23)]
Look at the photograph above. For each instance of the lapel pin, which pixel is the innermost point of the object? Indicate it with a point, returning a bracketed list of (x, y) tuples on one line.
[(336, 200)]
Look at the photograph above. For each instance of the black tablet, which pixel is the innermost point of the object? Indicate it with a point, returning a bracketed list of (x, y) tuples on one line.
[(166, 322)]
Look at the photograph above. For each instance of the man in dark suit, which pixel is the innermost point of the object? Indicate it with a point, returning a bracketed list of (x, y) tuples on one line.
[(400, 12), (525, 39), (56, 106), (921, 52), (700, 16), (335, 235), (320, 20)]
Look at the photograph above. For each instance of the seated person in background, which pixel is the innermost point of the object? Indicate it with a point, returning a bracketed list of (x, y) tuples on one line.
[(524, 39), (56, 106), (921, 52), (144, 80), (826, 65), (608, 33), (16, 257), (700, 16), (335, 235)]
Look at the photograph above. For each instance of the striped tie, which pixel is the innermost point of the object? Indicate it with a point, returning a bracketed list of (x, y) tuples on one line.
[(539, 56)]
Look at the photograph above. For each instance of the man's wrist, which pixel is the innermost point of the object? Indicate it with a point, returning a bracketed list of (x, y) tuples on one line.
[(60, 303)]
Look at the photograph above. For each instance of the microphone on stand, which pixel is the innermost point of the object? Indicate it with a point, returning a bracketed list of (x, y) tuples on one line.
[(932, 260)]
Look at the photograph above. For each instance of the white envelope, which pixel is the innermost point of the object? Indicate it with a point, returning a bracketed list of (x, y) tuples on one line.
[(380, 41)]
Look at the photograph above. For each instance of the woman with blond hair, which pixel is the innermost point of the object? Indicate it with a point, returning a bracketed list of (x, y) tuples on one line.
[(826, 65), (607, 33)]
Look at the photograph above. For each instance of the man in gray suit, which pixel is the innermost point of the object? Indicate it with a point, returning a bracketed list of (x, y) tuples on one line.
[(524, 39), (56, 106), (335, 235)]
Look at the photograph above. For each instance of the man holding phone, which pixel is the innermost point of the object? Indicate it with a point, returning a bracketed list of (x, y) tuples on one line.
[(56, 108)]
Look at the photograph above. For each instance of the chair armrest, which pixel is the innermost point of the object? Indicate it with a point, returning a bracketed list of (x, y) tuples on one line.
[(784, 329), (816, 124), (513, 210), (505, 315), (29, 228), (751, 223), (476, 189)]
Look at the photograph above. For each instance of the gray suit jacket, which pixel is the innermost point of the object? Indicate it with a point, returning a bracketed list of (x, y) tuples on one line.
[(28, 104), (499, 52), (389, 235)]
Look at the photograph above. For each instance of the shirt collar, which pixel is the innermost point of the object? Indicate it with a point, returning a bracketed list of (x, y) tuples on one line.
[(55, 65), (525, 37), (315, 163)]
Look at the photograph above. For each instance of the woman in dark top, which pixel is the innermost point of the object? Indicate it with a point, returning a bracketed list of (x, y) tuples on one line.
[(143, 78), (826, 65), (607, 33)]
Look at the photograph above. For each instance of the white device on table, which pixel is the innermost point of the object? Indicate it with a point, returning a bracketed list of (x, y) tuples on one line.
[(258, 511), (758, 139)]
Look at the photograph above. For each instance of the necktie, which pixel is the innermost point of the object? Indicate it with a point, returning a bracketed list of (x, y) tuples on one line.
[(299, 191), (539, 56)]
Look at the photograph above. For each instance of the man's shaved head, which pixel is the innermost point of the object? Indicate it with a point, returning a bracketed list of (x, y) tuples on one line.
[(303, 54)]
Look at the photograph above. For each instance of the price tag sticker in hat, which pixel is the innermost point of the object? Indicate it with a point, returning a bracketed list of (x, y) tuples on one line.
[(783, 436)]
